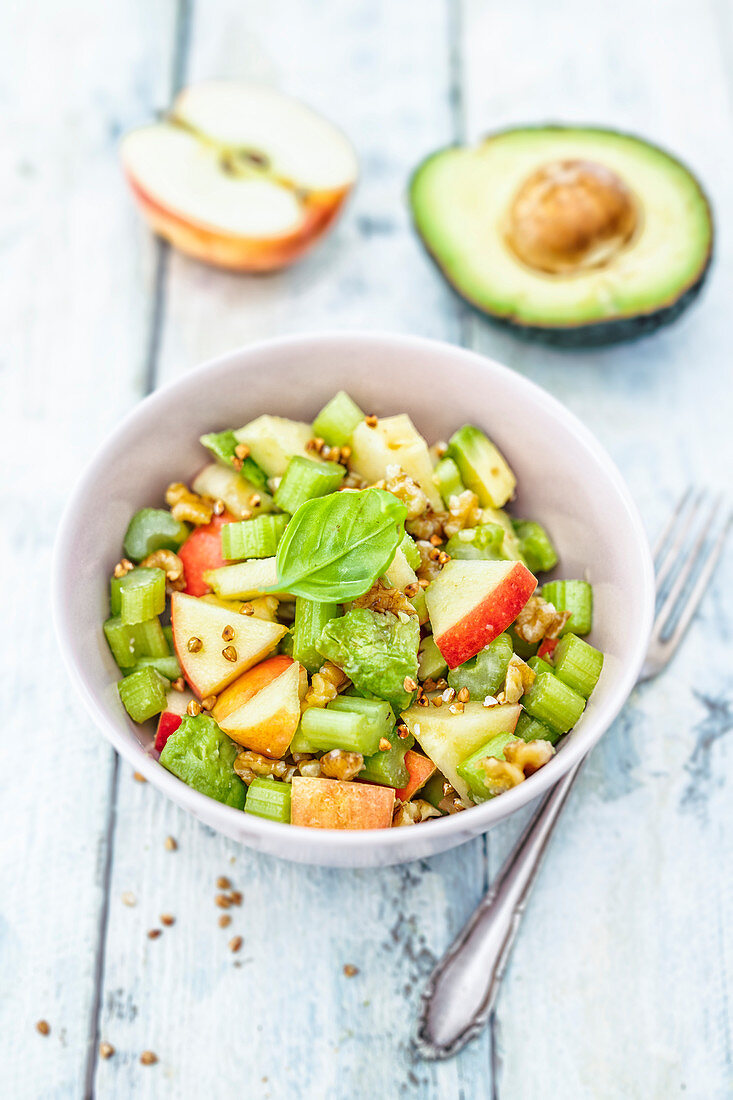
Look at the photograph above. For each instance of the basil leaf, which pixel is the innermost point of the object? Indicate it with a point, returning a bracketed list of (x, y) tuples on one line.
[(335, 547)]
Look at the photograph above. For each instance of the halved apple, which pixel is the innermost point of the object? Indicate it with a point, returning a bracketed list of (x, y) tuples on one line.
[(449, 738), (335, 804), (245, 639), (471, 602), (267, 720), (239, 175)]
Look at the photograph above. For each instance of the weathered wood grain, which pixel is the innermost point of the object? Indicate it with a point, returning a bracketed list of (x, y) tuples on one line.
[(74, 315), (281, 1016), (620, 970)]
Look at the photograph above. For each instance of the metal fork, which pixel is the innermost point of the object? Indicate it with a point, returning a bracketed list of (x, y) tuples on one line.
[(461, 992)]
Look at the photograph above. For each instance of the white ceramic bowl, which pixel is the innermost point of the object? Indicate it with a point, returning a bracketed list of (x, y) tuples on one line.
[(565, 480)]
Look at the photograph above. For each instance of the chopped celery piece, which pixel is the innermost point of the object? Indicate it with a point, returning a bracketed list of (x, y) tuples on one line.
[(485, 542), (336, 421), (551, 701), (537, 550), (485, 673), (222, 446), (153, 529), (388, 768), (269, 798), (473, 774), (200, 755), (326, 729), (166, 666), (150, 639), (378, 714), (143, 694), (168, 635), (539, 664), (252, 538), (286, 644), (121, 641), (447, 477), (578, 664), (483, 468), (529, 729), (575, 597), (523, 649), (138, 596), (409, 548), (431, 662), (305, 479), (310, 619)]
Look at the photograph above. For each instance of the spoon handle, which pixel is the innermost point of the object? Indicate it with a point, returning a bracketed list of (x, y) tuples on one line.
[(462, 990)]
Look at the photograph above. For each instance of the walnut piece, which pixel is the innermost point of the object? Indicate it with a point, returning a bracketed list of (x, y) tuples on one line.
[(521, 758), (412, 813), (539, 619), (463, 511), (519, 677), (340, 764), (401, 485), (171, 565), (188, 506), (248, 765), (325, 685), (381, 598), (427, 525)]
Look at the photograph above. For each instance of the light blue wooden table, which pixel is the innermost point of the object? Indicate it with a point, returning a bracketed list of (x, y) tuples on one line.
[(620, 982)]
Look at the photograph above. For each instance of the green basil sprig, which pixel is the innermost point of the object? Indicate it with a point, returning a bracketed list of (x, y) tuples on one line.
[(336, 546)]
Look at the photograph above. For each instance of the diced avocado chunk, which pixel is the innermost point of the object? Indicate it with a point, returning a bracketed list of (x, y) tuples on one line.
[(336, 421), (447, 477), (376, 651), (485, 673), (474, 543), (223, 445), (409, 548), (200, 755), (482, 466), (431, 662), (273, 441)]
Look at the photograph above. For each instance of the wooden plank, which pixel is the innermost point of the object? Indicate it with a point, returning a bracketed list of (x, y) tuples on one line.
[(620, 994), (280, 1018), (74, 319)]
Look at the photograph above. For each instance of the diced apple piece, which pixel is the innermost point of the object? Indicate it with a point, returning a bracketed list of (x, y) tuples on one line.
[(449, 738), (244, 579), (171, 718), (202, 551), (246, 686), (205, 667), (333, 804), (419, 769), (274, 440), (395, 441), (226, 484), (471, 602), (239, 175), (267, 720), (400, 574)]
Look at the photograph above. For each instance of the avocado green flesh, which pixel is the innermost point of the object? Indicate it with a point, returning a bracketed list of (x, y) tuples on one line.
[(460, 201)]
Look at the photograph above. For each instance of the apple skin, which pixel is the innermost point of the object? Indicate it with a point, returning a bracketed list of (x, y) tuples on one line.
[(493, 613), (202, 551), (420, 768), (548, 647), (168, 723), (267, 721), (334, 804), (246, 686), (237, 253)]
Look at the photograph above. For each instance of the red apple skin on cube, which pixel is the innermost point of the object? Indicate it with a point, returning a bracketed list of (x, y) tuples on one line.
[(267, 721), (168, 723), (419, 769), (335, 804), (471, 602), (202, 551), (548, 647)]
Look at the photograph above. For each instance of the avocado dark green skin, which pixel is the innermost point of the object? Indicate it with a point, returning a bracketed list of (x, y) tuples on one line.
[(595, 334), (601, 333)]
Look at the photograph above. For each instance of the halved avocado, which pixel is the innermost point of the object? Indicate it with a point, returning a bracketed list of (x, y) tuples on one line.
[(572, 236)]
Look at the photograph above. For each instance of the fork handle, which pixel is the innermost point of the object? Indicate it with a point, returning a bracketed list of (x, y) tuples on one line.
[(461, 991)]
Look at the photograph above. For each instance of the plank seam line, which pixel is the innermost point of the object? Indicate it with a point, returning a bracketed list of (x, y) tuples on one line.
[(181, 43)]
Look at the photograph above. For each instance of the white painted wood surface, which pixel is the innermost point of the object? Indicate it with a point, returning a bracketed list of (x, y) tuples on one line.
[(619, 982)]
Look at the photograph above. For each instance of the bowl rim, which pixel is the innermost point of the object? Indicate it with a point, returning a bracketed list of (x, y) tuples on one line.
[(247, 827)]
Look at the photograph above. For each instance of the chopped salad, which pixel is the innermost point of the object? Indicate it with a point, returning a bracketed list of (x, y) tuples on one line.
[(338, 626)]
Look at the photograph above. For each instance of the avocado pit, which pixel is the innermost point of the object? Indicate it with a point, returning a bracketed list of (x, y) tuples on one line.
[(570, 216)]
